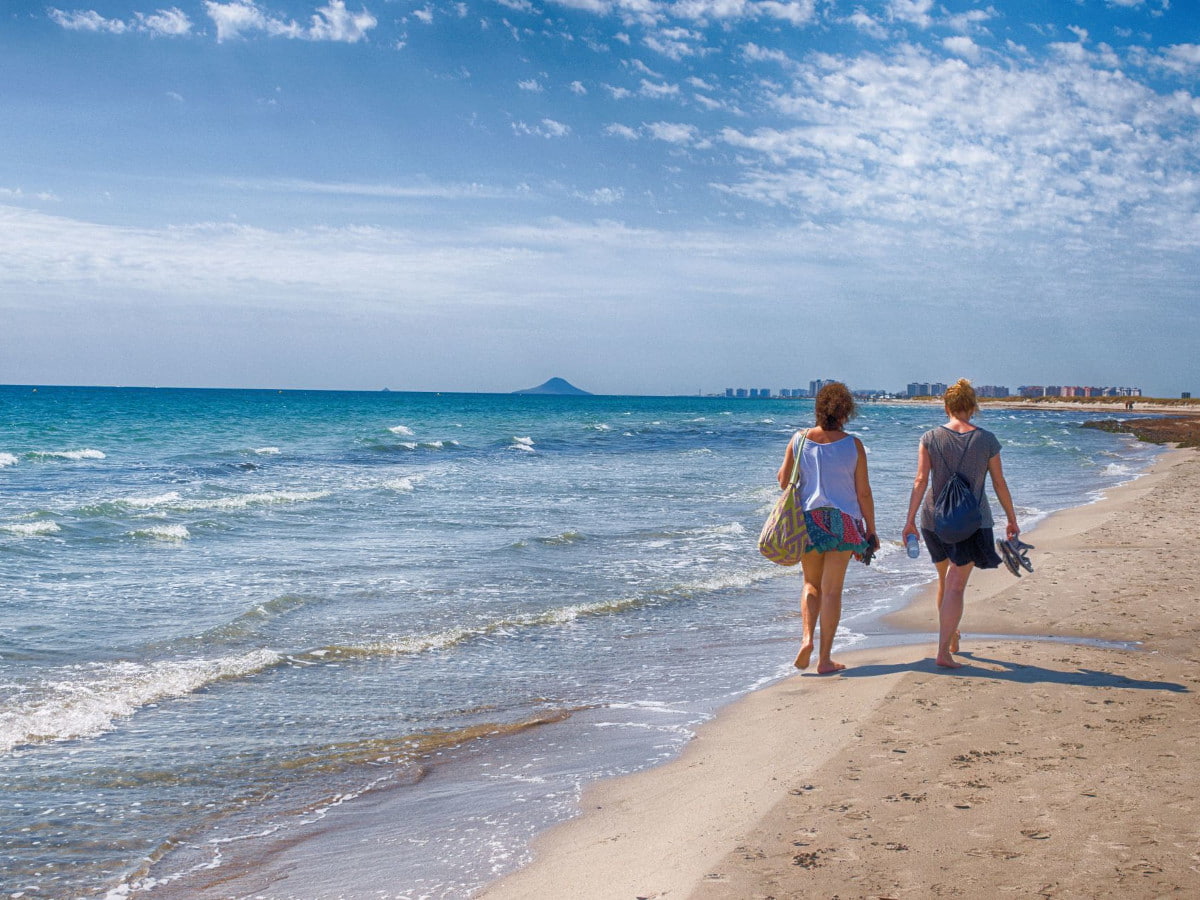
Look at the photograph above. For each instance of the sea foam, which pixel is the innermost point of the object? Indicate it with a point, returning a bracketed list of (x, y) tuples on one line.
[(85, 453), (7, 459), (163, 533), (86, 701), (30, 529)]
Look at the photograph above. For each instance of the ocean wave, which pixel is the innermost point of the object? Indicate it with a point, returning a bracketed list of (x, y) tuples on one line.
[(31, 529), (448, 639), (411, 645), (567, 537), (7, 459), (172, 500), (402, 430), (254, 619), (88, 701), (405, 484), (522, 443), (85, 453), (163, 533), (267, 451)]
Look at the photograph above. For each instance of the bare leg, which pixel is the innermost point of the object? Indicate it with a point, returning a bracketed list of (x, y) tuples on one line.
[(942, 567), (810, 606), (951, 613), (833, 576)]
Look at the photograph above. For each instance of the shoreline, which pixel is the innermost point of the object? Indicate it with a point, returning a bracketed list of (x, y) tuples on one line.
[(1027, 769)]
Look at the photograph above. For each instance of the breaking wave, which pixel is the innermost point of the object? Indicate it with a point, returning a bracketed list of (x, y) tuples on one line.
[(88, 700), (30, 529), (85, 453)]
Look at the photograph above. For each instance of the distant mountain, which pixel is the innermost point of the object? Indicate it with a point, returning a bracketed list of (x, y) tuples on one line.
[(559, 386)]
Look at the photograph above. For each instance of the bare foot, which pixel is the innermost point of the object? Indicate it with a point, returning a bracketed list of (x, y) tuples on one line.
[(954, 642), (827, 668), (948, 662), (804, 656)]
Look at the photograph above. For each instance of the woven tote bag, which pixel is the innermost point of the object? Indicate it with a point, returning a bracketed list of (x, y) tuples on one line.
[(782, 537)]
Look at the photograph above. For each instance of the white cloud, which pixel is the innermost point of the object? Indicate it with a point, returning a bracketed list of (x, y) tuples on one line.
[(914, 12), (171, 22), (602, 196), (795, 12), (332, 22), (622, 131), (87, 20), (335, 23), (1061, 145), (1182, 59), (532, 85), (703, 10), (547, 128), (755, 53), (675, 43), (577, 87), (617, 92), (658, 91), (962, 46), (424, 15), (672, 132), (867, 25), (971, 20)]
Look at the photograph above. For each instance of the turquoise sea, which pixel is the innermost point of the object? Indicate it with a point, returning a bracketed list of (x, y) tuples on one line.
[(230, 618)]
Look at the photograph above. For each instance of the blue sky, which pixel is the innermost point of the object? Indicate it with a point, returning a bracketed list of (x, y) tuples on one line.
[(639, 196)]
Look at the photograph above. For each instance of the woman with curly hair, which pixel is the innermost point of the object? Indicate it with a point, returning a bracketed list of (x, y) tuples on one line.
[(839, 516), (974, 453)]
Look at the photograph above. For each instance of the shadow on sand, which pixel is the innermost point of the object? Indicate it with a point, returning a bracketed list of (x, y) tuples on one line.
[(1018, 673)]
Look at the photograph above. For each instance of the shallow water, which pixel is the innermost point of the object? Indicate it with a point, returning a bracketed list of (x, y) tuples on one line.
[(232, 613)]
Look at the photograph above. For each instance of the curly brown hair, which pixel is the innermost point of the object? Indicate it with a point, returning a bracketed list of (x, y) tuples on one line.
[(835, 406), (960, 400)]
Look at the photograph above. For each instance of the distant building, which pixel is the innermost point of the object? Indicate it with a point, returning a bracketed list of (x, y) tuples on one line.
[(741, 393), (814, 387), (765, 393), (925, 389), (992, 391), (1031, 390), (729, 393)]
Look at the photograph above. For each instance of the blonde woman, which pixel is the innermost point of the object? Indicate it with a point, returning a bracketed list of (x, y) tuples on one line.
[(973, 452), (839, 516)]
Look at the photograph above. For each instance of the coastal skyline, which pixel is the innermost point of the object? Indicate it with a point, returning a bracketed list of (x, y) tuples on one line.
[(642, 197)]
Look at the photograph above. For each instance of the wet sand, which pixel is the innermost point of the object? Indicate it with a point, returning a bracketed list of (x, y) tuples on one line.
[(1042, 768)]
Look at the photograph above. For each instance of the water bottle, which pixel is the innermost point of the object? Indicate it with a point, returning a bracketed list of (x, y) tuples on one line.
[(911, 545)]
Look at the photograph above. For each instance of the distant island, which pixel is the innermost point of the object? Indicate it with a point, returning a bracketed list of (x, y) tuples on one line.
[(558, 386)]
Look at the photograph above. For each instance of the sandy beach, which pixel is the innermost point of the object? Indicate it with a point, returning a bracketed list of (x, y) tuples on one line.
[(1048, 768)]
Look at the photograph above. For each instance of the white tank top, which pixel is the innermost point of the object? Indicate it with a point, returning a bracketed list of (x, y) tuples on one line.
[(827, 476)]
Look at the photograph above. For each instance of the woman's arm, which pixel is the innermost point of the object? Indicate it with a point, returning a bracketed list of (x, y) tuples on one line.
[(920, 483), (862, 487), (1000, 486), (785, 471)]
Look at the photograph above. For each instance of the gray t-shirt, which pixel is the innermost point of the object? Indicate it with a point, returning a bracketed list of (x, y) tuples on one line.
[(969, 455)]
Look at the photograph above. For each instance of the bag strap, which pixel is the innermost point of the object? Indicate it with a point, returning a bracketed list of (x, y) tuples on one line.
[(795, 479), (962, 456)]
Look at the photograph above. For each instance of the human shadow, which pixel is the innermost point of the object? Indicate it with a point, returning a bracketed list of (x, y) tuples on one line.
[(1018, 673)]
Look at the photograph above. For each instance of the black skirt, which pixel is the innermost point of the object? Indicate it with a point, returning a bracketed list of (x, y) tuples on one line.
[(979, 548)]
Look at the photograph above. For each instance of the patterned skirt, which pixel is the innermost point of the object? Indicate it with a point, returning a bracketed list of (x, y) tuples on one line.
[(829, 529)]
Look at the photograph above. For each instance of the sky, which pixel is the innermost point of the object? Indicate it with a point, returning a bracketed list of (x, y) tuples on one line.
[(640, 196)]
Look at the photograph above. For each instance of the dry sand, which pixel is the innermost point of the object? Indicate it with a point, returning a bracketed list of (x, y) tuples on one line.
[(1042, 769)]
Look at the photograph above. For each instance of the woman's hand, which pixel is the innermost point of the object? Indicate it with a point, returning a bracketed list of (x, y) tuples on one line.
[(1012, 529), (910, 527)]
